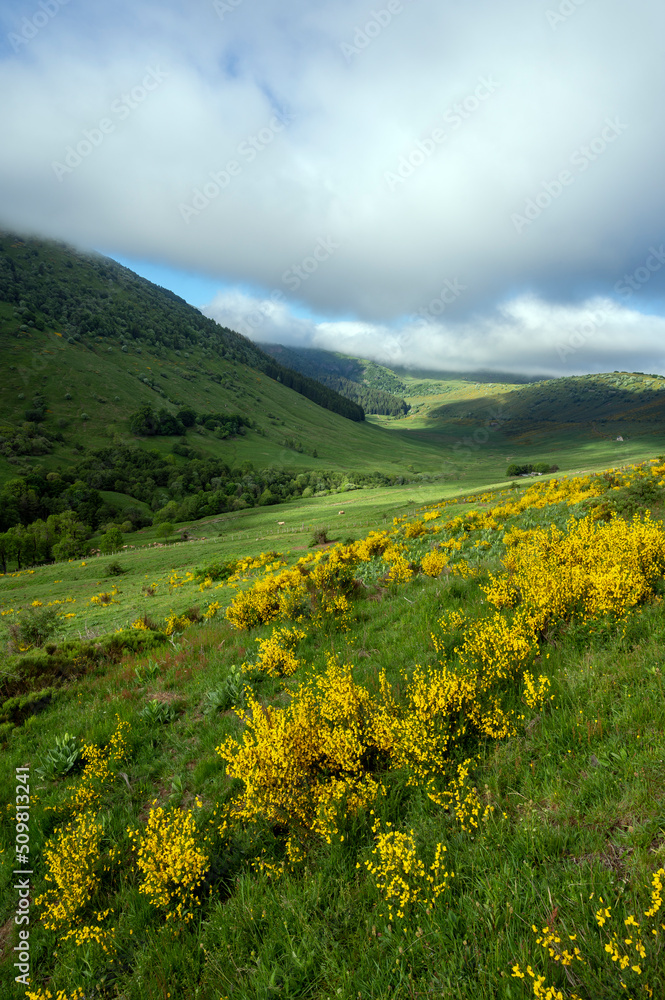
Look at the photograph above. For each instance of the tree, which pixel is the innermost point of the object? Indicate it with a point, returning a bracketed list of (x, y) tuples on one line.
[(165, 529), (267, 498), (187, 416), (68, 535), (4, 546), (168, 423), (144, 421), (112, 540)]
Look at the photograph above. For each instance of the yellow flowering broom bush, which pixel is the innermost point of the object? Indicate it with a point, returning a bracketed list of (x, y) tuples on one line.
[(72, 861), (75, 864), (100, 768), (276, 654), (171, 862), (400, 875), (464, 801), (591, 569), (433, 563), (301, 764), (278, 597)]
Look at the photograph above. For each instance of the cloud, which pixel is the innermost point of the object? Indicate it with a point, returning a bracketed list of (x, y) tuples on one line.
[(410, 134), (526, 335)]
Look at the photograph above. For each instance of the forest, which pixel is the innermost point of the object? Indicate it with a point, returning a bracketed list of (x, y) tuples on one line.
[(50, 516), (87, 296)]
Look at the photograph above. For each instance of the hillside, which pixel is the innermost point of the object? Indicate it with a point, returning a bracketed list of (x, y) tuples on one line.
[(355, 379), (122, 404), (90, 297), (608, 402), (480, 376), (86, 343), (425, 760)]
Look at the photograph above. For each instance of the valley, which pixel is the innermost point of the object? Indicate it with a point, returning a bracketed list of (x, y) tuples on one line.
[(311, 702)]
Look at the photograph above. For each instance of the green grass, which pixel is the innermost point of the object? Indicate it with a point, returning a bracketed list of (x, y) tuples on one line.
[(246, 532), (89, 376), (577, 796), (286, 528)]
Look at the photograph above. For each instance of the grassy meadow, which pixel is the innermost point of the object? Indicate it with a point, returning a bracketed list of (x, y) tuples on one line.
[(424, 760)]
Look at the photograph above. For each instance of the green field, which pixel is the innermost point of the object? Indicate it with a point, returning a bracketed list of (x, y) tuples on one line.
[(570, 805)]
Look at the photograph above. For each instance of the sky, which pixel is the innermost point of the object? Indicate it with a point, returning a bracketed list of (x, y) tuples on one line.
[(433, 183)]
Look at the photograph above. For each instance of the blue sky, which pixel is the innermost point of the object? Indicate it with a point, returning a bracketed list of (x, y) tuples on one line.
[(196, 289), (431, 183)]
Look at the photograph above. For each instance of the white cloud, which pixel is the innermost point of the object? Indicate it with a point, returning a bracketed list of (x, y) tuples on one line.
[(355, 122), (525, 335)]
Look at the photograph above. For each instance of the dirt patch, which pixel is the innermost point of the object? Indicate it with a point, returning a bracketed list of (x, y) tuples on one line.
[(378, 594), (612, 857), (163, 697), (6, 938)]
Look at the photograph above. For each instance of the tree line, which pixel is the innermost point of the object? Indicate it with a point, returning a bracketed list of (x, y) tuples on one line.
[(52, 516), (145, 422)]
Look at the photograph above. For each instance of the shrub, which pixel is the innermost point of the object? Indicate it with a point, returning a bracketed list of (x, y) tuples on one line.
[(165, 529), (74, 861), (320, 537), (114, 569), (276, 654), (296, 771), (434, 562), (172, 864), (33, 628), (16, 710), (218, 571), (401, 876), (523, 470)]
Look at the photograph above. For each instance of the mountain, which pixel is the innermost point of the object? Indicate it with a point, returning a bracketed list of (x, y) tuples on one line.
[(122, 403), (607, 402), (357, 380), (86, 343), (89, 299), (481, 375)]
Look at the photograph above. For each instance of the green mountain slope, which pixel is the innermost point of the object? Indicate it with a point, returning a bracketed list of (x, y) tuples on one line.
[(91, 297), (86, 343), (351, 377), (608, 402)]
